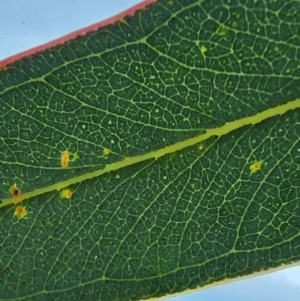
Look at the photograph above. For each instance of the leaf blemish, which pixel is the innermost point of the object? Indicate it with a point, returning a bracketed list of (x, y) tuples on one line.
[(66, 194), (65, 158), (203, 49), (106, 151), (47, 222), (15, 191), (222, 31), (256, 166), (20, 212)]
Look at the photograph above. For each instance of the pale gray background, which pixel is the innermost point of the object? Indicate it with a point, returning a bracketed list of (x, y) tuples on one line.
[(24, 24)]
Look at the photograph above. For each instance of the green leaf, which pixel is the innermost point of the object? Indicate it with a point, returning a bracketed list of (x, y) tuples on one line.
[(182, 128)]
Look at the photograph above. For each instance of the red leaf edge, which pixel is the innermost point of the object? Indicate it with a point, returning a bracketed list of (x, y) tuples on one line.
[(80, 32)]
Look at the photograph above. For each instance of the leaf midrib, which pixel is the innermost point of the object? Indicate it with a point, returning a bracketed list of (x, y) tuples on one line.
[(219, 131)]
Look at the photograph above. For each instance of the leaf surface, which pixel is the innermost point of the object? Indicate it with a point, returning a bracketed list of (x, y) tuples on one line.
[(182, 128)]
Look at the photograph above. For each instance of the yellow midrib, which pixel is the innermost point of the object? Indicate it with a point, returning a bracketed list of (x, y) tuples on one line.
[(220, 131)]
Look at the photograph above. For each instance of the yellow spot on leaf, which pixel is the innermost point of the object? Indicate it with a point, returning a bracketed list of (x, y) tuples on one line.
[(14, 191), (203, 49), (106, 151), (66, 194), (222, 31), (66, 158), (20, 212), (256, 166)]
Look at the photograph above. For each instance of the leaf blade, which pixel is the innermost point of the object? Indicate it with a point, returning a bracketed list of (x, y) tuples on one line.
[(188, 218)]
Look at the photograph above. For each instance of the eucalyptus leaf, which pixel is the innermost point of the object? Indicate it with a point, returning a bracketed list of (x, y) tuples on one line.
[(154, 155)]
